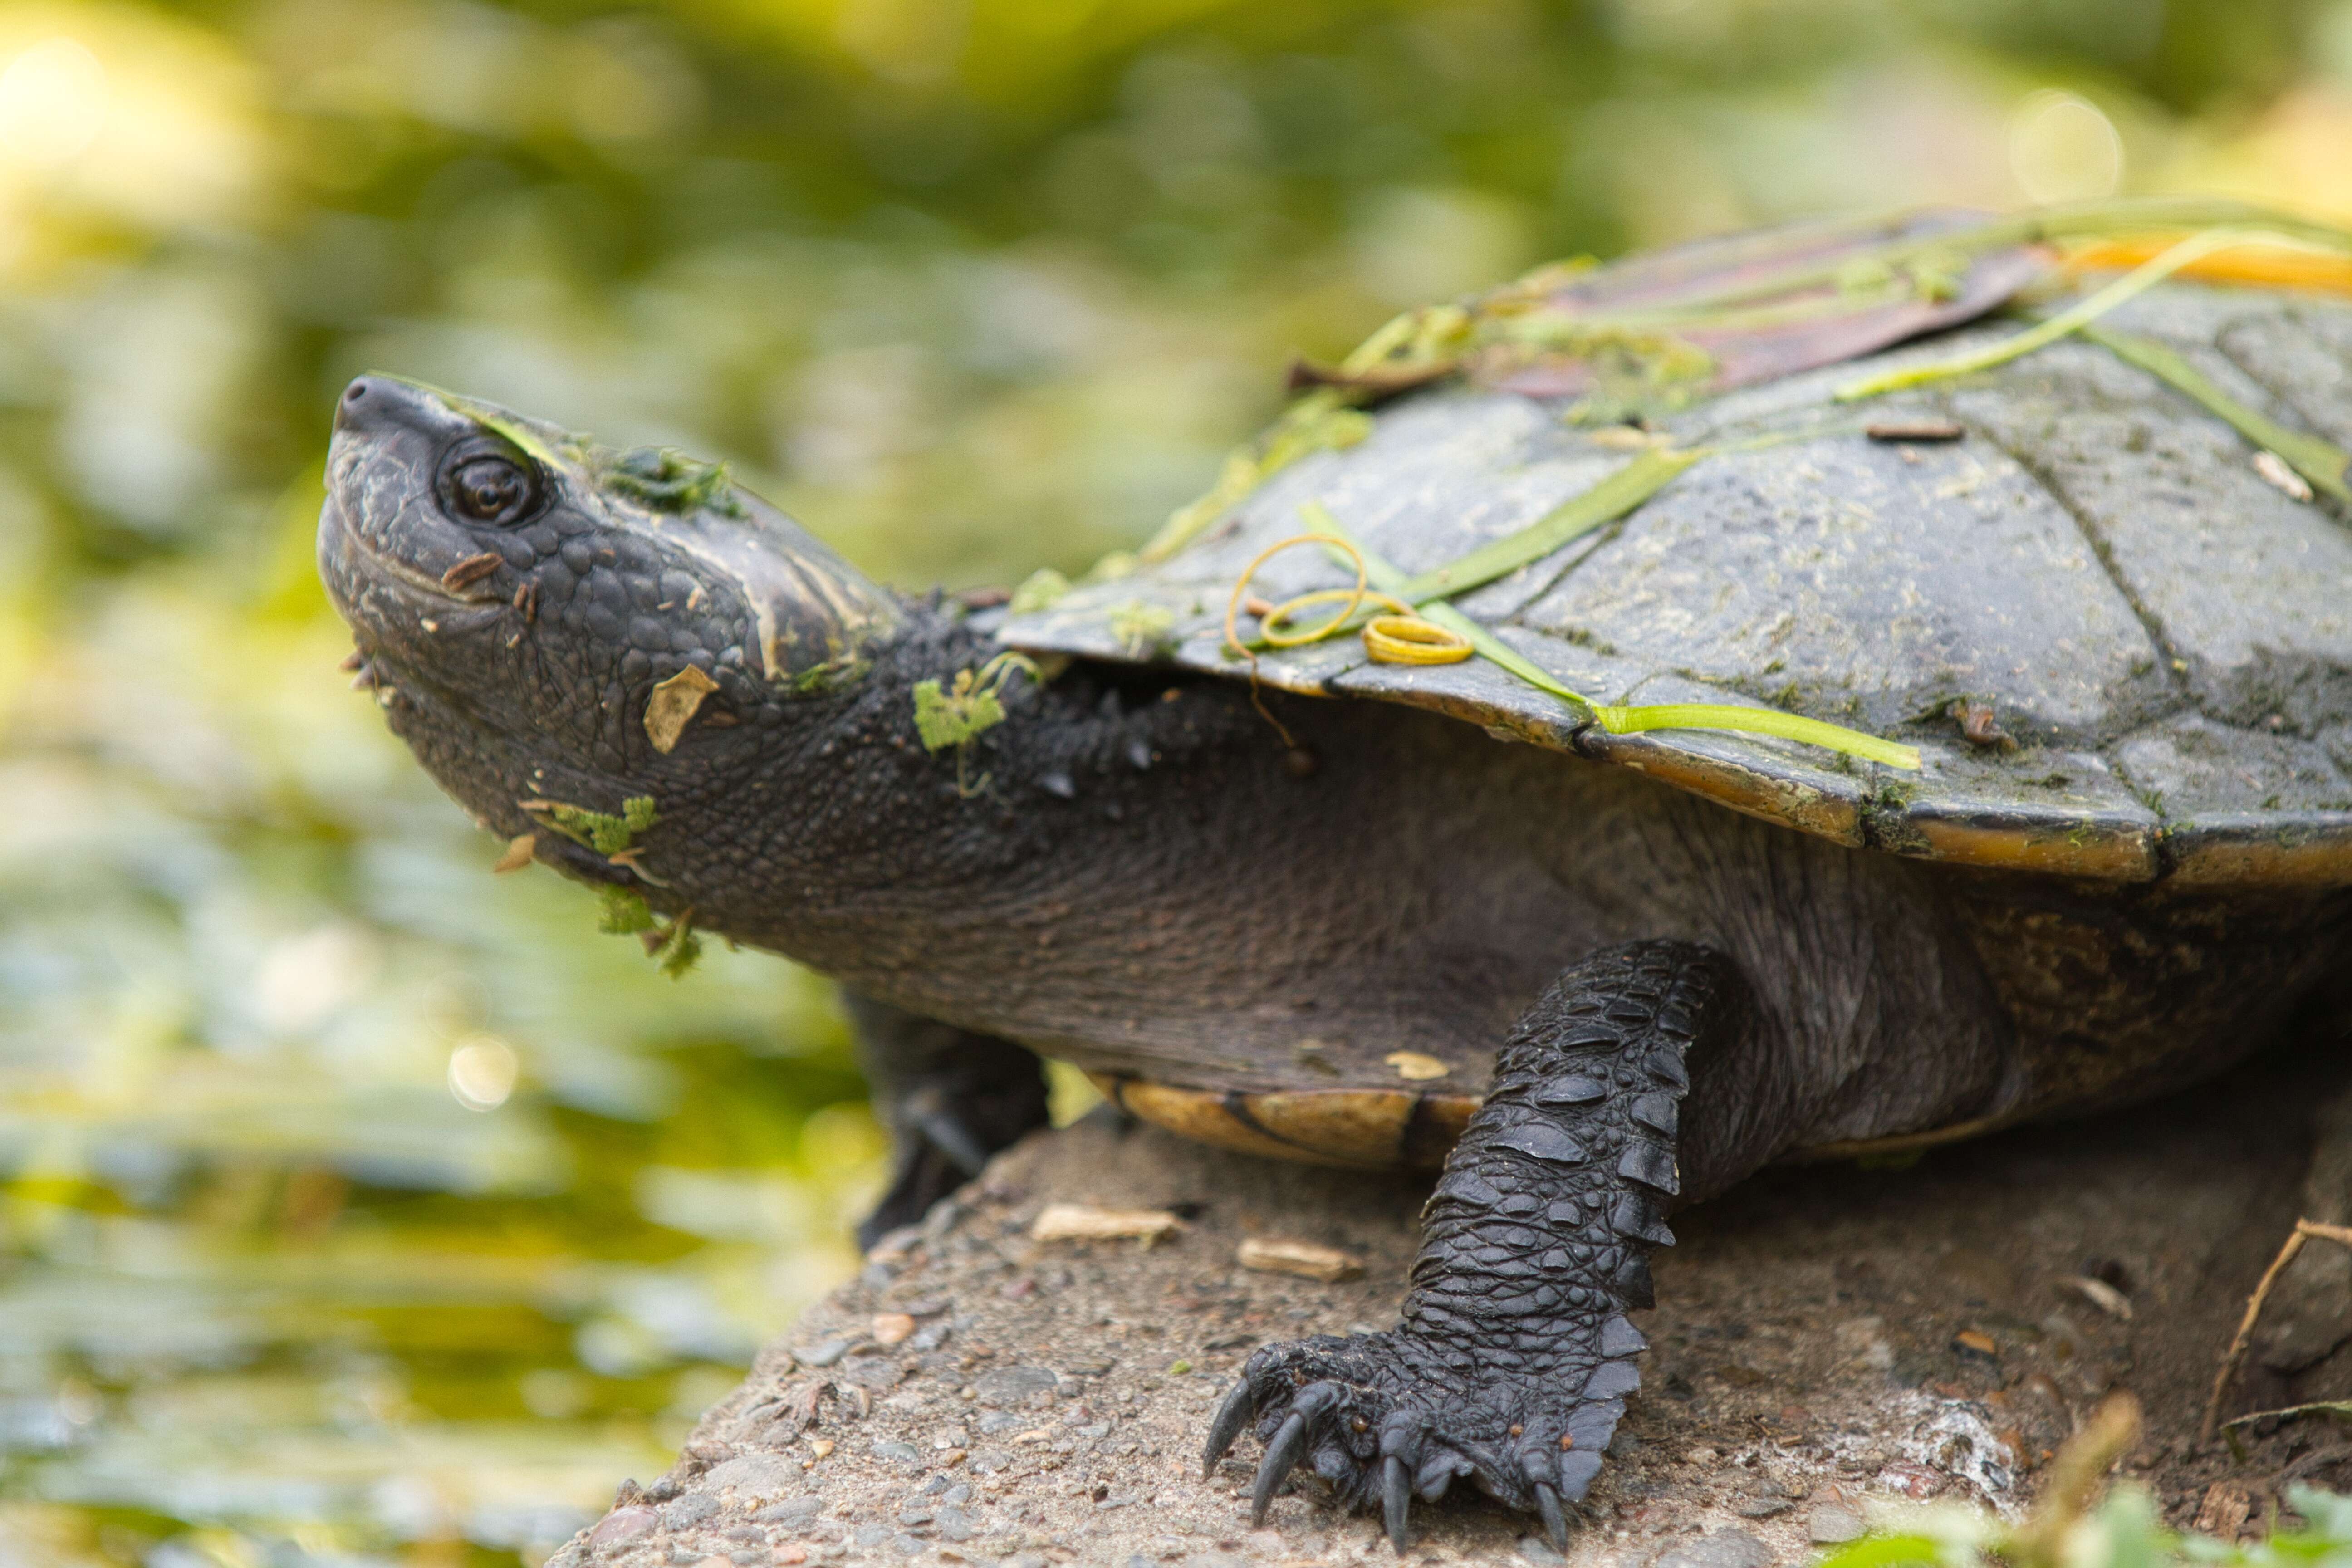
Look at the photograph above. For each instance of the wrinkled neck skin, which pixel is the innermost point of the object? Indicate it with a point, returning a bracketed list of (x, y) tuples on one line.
[(1116, 858), (1130, 867)]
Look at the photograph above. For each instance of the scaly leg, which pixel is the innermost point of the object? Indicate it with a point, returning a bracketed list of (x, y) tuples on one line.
[(951, 1099), (1515, 1355)]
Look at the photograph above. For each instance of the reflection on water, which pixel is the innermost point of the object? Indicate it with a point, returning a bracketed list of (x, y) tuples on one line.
[(357, 1199)]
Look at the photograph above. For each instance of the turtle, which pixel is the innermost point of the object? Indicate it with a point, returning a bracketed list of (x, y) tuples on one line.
[(1585, 922)]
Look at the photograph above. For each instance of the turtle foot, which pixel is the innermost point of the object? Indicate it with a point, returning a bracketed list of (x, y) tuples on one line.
[(951, 1099), (1513, 1358), (1383, 1417)]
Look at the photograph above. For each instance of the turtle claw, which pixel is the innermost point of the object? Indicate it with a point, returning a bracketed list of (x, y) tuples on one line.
[(1555, 1524), (1289, 1443), (947, 1132), (1231, 1417), (1282, 1453), (1396, 1500)]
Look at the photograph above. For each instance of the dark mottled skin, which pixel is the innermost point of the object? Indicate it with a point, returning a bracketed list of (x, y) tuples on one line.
[(1146, 881)]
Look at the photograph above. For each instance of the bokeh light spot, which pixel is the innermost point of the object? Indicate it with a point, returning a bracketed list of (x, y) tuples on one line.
[(2063, 148), (52, 103), (482, 1072)]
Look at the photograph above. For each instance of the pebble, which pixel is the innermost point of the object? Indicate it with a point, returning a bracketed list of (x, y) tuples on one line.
[(753, 1476), (874, 1374), (1829, 1525), (824, 1354), (892, 1328), (691, 1509), (1013, 1385), (1535, 1549), (903, 1453), (953, 1438), (1724, 1548), (621, 1526), (792, 1511)]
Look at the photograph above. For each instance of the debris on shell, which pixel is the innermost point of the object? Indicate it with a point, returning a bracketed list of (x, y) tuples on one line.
[(1307, 1259), (1978, 725), (1915, 430), (821, 1446), (1415, 1067), (1623, 439), (892, 1327), (2274, 471), (673, 705), (1084, 1221), (2102, 1295), (519, 853), (1975, 1339)]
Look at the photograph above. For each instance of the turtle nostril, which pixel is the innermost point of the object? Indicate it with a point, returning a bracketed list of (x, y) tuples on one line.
[(355, 402)]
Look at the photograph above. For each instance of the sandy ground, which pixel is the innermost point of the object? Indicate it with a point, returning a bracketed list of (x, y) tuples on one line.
[(1830, 1338)]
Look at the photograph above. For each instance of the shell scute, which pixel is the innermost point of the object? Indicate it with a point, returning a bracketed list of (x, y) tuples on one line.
[(2163, 637)]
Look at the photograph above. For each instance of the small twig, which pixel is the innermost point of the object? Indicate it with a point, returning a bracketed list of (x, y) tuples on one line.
[(2303, 1230), (2075, 1478)]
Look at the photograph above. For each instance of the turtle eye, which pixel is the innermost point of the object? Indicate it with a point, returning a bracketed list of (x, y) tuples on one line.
[(491, 486)]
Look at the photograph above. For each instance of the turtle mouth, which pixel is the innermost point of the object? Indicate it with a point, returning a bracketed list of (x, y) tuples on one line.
[(352, 564)]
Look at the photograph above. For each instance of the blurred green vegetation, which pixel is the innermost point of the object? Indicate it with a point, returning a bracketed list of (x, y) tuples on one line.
[(360, 1207)]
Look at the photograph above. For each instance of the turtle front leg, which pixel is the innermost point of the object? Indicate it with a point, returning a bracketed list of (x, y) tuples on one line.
[(1515, 1356), (951, 1099)]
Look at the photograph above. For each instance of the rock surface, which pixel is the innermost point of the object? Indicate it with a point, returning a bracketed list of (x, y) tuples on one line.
[(1830, 1338)]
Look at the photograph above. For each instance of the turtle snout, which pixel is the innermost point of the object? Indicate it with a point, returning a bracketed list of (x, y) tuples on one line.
[(372, 404), (360, 399)]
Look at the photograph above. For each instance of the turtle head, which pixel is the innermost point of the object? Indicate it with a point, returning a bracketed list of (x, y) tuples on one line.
[(548, 620)]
